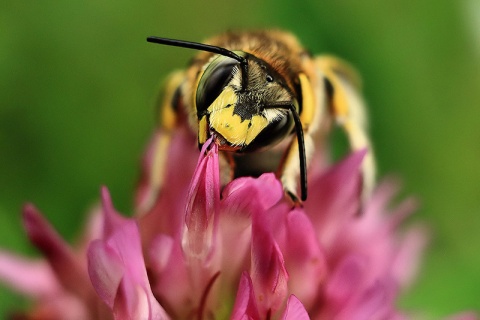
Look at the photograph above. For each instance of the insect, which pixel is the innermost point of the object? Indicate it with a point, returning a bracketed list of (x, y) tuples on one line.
[(267, 103)]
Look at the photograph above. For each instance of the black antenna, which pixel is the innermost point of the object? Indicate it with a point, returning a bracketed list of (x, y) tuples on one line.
[(301, 144), (205, 47)]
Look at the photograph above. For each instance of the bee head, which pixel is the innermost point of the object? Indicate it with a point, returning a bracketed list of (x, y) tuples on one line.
[(242, 103)]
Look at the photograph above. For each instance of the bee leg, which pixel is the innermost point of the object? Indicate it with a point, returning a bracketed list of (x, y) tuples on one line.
[(289, 170), (168, 104), (292, 165), (347, 109)]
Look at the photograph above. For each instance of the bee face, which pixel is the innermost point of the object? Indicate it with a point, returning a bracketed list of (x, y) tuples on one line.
[(239, 106)]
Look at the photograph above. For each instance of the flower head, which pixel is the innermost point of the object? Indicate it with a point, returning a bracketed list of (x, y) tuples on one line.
[(242, 251)]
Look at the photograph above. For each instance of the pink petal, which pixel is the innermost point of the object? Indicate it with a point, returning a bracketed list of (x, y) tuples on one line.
[(61, 307), (117, 268), (248, 194), (112, 220), (305, 261), (133, 301), (304, 258), (407, 260), (232, 248), (295, 310), (93, 229), (335, 196), (373, 235), (167, 214), (377, 209), (145, 195), (30, 277), (245, 305), (161, 251), (202, 205), (374, 303), (242, 199), (169, 276), (382, 196), (69, 270), (345, 281), (268, 271), (106, 270), (349, 296)]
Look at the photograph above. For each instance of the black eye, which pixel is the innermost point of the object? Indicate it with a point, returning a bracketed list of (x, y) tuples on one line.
[(215, 78), (269, 78)]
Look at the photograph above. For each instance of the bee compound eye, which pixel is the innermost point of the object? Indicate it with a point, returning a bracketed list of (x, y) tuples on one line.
[(216, 77)]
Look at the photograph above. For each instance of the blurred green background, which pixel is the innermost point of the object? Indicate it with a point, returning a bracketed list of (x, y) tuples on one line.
[(78, 82)]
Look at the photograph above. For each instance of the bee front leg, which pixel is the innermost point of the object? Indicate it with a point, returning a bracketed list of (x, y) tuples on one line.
[(289, 170), (309, 118)]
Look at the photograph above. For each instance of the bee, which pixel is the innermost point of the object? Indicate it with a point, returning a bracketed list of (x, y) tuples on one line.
[(266, 102)]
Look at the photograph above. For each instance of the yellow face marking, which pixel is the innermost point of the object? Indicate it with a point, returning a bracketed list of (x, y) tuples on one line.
[(226, 98), (230, 125), (258, 123)]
